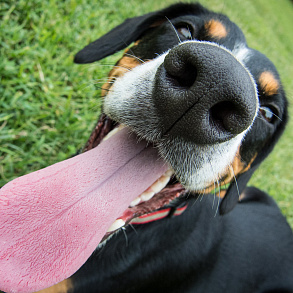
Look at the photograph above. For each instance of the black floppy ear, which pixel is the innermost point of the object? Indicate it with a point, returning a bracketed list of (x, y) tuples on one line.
[(234, 190), (117, 39), (129, 31)]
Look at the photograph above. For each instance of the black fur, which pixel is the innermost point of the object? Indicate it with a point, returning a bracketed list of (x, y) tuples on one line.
[(248, 250)]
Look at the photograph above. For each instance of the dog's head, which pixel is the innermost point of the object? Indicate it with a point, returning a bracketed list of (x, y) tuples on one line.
[(200, 104), (190, 85)]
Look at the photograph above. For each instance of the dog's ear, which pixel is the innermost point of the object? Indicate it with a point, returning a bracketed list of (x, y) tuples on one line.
[(129, 31), (117, 39)]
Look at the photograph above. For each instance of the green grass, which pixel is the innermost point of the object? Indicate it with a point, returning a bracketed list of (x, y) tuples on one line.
[(48, 105)]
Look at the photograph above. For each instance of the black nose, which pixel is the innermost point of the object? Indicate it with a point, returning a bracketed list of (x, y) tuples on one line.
[(203, 94)]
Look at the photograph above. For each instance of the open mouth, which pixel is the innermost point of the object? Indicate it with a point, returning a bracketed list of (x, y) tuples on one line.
[(158, 195)]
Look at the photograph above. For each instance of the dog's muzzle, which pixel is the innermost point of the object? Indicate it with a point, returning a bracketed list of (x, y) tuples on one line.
[(204, 94)]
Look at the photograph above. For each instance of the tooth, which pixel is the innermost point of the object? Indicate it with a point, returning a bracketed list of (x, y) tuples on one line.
[(160, 183), (135, 202), (116, 225), (147, 195), (169, 173), (153, 189)]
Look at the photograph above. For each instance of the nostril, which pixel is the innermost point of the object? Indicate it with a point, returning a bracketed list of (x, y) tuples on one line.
[(182, 76), (223, 116), (180, 67)]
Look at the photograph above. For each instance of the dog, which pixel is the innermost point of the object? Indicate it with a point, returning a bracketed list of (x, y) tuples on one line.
[(194, 111)]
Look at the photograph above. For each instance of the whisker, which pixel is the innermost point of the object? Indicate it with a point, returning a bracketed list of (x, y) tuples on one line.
[(116, 66), (231, 168), (87, 85), (199, 195), (272, 113), (129, 49), (133, 229), (101, 88), (214, 195), (219, 197), (137, 58), (102, 80), (125, 234), (180, 41), (187, 194)]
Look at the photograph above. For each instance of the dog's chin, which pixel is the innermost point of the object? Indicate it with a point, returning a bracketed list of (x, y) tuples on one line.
[(198, 167)]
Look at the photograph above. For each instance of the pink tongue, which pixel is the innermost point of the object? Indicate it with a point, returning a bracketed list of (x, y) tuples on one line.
[(53, 219)]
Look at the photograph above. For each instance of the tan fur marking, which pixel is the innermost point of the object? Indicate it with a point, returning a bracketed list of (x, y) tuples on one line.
[(268, 83), (62, 287), (222, 193), (236, 168), (216, 29), (242, 196), (125, 64)]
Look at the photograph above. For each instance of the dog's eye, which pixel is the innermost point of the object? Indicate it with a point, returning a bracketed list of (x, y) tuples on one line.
[(268, 113), (185, 32)]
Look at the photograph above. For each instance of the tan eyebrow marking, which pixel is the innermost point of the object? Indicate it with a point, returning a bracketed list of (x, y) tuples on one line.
[(215, 29), (268, 83)]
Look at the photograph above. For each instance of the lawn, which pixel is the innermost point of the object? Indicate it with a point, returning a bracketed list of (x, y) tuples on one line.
[(48, 105)]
